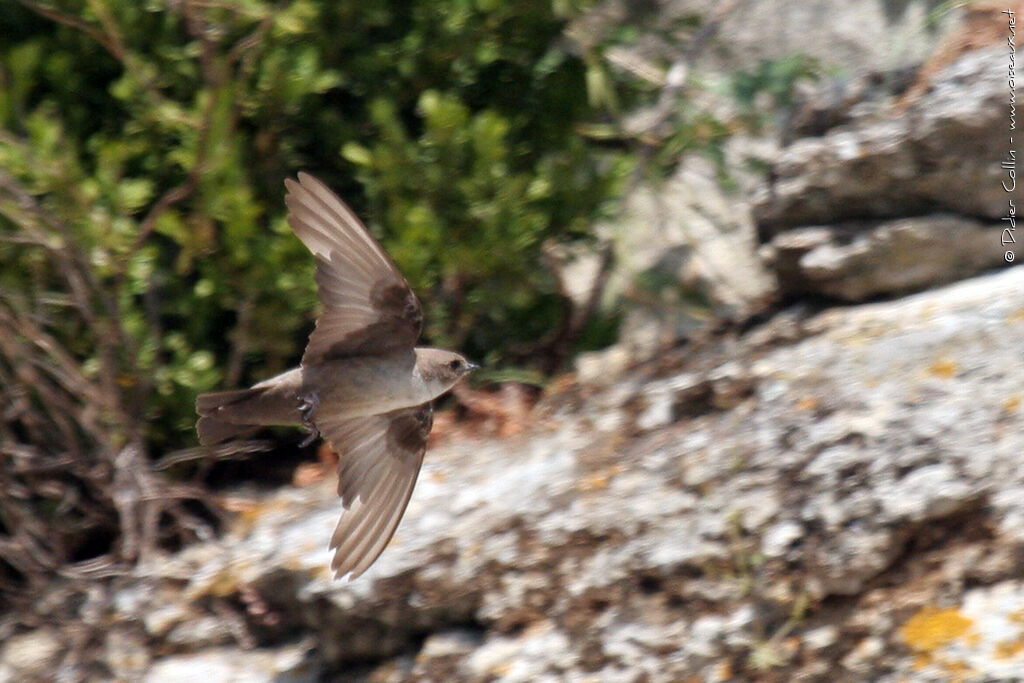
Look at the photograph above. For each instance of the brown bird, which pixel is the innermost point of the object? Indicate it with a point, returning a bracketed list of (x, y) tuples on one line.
[(362, 382)]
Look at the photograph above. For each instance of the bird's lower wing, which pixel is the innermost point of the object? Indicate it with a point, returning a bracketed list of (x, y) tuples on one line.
[(379, 460)]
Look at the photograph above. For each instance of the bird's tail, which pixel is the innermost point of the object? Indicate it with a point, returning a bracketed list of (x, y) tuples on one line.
[(222, 415)]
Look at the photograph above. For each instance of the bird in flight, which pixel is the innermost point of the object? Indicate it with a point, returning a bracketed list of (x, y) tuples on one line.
[(363, 383)]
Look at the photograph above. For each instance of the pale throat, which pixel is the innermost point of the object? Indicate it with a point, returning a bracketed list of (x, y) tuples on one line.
[(428, 383)]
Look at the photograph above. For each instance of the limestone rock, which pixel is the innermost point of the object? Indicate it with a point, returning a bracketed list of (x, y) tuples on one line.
[(941, 156), (858, 261), (872, 447), (31, 654)]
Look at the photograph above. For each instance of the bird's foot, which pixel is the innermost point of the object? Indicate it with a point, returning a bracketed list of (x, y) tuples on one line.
[(313, 435), (307, 406)]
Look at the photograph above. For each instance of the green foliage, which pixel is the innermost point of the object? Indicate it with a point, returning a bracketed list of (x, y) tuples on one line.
[(143, 145), (468, 213), (775, 78)]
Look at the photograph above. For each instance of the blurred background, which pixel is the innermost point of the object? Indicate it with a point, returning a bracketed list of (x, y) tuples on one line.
[(736, 271)]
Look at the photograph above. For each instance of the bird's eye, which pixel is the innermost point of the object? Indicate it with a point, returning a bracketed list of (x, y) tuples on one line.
[(455, 364)]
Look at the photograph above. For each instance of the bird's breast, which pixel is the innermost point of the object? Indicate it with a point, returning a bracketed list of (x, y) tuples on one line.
[(365, 385)]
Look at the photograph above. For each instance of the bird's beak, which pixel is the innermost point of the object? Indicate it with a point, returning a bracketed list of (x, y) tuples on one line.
[(470, 367)]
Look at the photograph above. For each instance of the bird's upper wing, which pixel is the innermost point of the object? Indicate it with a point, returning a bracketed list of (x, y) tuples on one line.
[(369, 308), (380, 457)]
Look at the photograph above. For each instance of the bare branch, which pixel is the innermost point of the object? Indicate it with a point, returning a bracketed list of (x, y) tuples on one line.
[(111, 44)]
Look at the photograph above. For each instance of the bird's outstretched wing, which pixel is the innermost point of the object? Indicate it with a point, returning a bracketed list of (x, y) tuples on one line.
[(369, 308), (380, 458)]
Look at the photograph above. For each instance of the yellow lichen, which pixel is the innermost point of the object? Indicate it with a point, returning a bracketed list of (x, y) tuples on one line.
[(944, 368), (249, 512), (922, 662), (1008, 649), (598, 481), (722, 671), (931, 628), (808, 403), (959, 671), (223, 584)]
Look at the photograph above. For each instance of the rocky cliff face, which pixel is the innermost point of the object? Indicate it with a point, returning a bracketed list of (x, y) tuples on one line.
[(856, 213), (834, 493)]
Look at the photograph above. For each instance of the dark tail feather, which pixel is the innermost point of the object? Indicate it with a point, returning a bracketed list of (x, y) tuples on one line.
[(213, 430), (208, 403)]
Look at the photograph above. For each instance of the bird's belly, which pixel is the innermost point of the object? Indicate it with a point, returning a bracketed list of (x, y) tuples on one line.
[(364, 386)]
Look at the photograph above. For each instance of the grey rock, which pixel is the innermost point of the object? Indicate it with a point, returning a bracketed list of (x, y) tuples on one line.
[(866, 442), (891, 204), (540, 653), (200, 631), (449, 644), (941, 156), (161, 620), (861, 658), (821, 637), (444, 655), (227, 665), (858, 261), (779, 537), (604, 366), (32, 653), (684, 253), (869, 35), (126, 653)]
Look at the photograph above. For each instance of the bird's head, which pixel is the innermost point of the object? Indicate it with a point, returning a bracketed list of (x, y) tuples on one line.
[(441, 370)]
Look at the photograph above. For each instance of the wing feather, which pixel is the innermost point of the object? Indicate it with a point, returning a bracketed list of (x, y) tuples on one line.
[(380, 458), (368, 307)]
